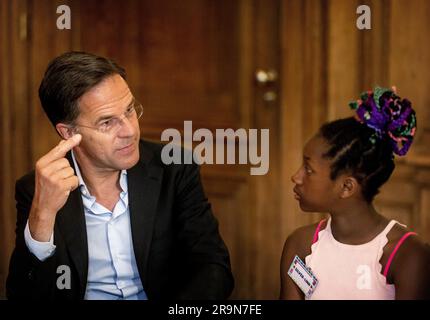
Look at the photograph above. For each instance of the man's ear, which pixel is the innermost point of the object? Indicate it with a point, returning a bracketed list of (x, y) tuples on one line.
[(349, 186), (65, 131)]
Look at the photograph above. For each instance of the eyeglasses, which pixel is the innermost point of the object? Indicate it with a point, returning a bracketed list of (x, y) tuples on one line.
[(112, 125)]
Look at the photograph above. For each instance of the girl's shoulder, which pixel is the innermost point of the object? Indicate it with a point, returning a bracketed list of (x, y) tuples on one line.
[(403, 251), (404, 238), (301, 239)]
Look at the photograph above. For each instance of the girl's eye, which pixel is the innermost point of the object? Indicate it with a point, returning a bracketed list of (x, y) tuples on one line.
[(308, 170)]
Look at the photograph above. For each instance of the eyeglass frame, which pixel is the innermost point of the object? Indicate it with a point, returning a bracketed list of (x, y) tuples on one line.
[(135, 105)]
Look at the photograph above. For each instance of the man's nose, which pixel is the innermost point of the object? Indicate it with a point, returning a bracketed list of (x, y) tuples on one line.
[(127, 128)]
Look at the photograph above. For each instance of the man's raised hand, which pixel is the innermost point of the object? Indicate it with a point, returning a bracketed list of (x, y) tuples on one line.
[(54, 180)]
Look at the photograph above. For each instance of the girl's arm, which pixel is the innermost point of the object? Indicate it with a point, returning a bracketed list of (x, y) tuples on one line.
[(289, 290), (410, 270), (298, 243)]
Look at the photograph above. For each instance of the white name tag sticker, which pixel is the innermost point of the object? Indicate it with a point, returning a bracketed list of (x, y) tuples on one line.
[(302, 276)]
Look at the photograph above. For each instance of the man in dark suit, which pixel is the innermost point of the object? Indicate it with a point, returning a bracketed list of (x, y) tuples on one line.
[(101, 216)]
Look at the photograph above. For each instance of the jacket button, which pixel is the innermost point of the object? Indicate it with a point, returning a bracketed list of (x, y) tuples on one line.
[(30, 275)]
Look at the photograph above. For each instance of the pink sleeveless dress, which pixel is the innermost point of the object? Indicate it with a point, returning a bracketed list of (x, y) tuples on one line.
[(350, 272)]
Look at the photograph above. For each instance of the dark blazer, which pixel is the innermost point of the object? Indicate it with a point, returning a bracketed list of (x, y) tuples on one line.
[(178, 249)]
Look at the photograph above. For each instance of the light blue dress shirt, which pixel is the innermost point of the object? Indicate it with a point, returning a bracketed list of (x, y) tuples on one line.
[(112, 268)]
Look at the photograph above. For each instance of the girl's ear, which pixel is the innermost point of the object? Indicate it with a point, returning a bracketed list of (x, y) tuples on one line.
[(349, 187), (65, 131)]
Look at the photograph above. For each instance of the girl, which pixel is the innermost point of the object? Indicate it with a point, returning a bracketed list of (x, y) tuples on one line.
[(356, 253)]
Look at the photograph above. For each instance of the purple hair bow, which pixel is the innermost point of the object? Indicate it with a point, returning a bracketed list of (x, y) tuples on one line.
[(388, 115)]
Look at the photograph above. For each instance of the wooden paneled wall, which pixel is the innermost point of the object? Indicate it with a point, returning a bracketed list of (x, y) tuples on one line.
[(190, 60), (327, 62), (14, 119), (195, 60), (394, 52)]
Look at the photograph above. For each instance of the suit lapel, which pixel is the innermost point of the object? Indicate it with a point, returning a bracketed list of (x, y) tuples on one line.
[(71, 223), (144, 183)]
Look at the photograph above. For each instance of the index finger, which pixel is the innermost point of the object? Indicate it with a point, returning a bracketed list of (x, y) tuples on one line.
[(61, 149)]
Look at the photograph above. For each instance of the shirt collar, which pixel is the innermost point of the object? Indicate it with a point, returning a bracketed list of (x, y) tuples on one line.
[(83, 187)]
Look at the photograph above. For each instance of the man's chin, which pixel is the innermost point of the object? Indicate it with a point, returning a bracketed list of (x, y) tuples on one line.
[(130, 161), (130, 165)]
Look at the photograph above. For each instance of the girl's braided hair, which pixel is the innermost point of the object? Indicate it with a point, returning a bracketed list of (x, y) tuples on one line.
[(364, 145)]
